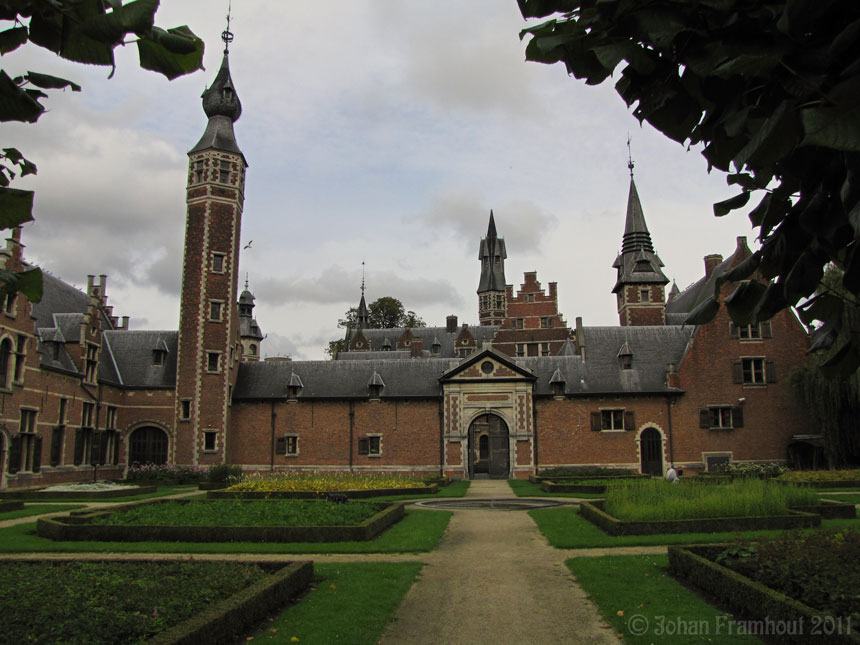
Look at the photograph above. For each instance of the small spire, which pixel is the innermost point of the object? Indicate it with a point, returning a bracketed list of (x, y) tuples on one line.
[(246, 281), (629, 156), (362, 278), (227, 35)]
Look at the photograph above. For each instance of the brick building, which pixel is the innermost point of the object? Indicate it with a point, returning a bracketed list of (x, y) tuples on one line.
[(83, 396)]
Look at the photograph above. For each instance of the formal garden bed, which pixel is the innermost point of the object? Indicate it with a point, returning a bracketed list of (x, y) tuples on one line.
[(649, 507), (5, 507), (822, 478), (131, 601), (318, 485), (95, 491), (226, 521), (579, 473), (798, 584), (585, 485)]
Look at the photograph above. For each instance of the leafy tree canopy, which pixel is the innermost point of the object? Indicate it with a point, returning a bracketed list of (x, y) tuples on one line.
[(82, 31), (771, 91), (385, 313)]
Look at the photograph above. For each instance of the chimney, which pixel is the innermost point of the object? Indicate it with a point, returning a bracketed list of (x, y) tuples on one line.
[(580, 337), (417, 346), (451, 324), (673, 379), (124, 322), (711, 263)]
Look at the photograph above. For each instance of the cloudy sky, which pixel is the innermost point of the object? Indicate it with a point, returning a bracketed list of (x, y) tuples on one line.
[(380, 131)]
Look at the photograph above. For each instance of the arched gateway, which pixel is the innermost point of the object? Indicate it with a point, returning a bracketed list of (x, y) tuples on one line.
[(489, 447), (148, 445)]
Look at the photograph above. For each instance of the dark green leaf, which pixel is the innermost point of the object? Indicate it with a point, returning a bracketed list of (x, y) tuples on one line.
[(772, 302), (704, 313), (17, 104), (16, 207), (836, 128), (843, 363), (51, 82), (726, 206), (13, 154), (804, 277), (823, 307), (134, 17), (744, 300), (11, 39), (822, 338), (160, 52)]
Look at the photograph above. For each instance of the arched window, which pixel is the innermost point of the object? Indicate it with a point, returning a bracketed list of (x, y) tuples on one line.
[(252, 349)]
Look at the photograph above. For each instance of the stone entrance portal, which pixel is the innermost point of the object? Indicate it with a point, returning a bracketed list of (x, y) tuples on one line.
[(489, 447)]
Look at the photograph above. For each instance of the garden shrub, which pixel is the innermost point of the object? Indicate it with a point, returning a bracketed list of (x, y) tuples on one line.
[(223, 473), (821, 476), (762, 470), (163, 472)]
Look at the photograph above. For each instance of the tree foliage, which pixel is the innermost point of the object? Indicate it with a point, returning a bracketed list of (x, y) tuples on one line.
[(770, 89), (833, 405), (82, 31)]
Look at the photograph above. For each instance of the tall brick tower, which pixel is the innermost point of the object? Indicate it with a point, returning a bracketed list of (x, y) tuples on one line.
[(491, 288), (209, 347), (640, 287)]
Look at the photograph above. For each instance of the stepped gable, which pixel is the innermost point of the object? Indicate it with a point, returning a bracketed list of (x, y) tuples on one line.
[(132, 357), (340, 379)]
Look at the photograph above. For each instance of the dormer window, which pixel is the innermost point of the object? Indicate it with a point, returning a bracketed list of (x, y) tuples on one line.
[(294, 386), (158, 356), (626, 362), (642, 266)]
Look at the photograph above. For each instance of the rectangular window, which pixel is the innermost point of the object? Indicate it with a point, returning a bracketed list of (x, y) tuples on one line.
[(612, 419), (215, 309), (87, 410), (224, 172), (20, 357), (753, 371), (109, 449), (544, 349), (84, 445), (520, 323), (546, 322), (91, 363), (213, 362), (217, 263), (713, 460), (9, 304), (185, 409), (210, 437), (57, 445), (64, 404), (110, 418), (198, 171), (644, 295), (28, 421), (721, 417), (370, 446), (529, 297), (521, 349), (289, 445)]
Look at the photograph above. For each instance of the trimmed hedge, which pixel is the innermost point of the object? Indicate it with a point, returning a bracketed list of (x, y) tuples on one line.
[(830, 510), (572, 479), (773, 608), (95, 496), (228, 620), (5, 507), (569, 485), (594, 513), (351, 494), (78, 528), (824, 484)]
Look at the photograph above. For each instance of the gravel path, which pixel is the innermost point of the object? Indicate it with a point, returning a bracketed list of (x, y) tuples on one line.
[(494, 579)]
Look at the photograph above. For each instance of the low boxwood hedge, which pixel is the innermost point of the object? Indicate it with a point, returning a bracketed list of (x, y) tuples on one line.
[(11, 506), (830, 510), (350, 494), (41, 494), (229, 620), (78, 527), (594, 513), (777, 614), (565, 479)]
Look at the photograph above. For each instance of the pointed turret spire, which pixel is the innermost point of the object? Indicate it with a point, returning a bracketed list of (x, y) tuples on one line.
[(362, 317), (221, 104), (491, 287)]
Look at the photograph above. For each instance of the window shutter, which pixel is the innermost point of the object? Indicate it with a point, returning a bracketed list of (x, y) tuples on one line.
[(770, 371), (737, 417), (738, 371), (766, 329), (733, 330), (704, 418), (281, 446), (363, 447), (14, 454), (79, 446), (56, 445), (103, 448), (629, 420), (37, 453), (595, 421)]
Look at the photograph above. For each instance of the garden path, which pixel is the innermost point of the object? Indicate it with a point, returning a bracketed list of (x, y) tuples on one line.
[(495, 579)]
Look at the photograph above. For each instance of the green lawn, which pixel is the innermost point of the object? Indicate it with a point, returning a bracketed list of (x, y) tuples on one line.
[(639, 599), (564, 528), (350, 603), (38, 509), (419, 531), (524, 488), (454, 489), (850, 498)]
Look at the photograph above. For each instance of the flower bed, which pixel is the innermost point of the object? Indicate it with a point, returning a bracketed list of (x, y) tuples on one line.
[(324, 482), (130, 600), (226, 521), (594, 512), (797, 586)]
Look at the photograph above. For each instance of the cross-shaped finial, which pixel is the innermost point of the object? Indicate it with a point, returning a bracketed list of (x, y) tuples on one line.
[(246, 282), (227, 35), (362, 277)]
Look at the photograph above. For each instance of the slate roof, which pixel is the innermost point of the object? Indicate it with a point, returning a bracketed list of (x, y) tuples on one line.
[(248, 328), (428, 335), (221, 104), (130, 355)]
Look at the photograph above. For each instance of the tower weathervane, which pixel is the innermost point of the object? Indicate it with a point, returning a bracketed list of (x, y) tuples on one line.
[(227, 35), (629, 157), (362, 278)]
